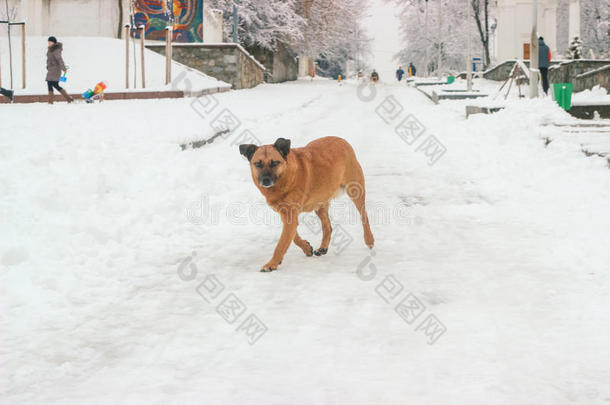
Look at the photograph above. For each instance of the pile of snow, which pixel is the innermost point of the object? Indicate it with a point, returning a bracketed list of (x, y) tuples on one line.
[(94, 59), (596, 96)]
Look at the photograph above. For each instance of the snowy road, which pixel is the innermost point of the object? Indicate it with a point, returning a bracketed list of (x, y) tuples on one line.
[(121, 256)]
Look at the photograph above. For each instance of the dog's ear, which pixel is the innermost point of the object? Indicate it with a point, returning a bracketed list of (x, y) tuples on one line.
[(248, 150), (283, 146)]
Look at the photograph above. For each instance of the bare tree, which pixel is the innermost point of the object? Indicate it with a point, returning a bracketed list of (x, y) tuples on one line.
[(120, 25), (481, 17), (455, 27)]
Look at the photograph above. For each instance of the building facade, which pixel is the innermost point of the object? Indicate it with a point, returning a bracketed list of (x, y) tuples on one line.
[(192, 21), (70, 17), (515, 25)]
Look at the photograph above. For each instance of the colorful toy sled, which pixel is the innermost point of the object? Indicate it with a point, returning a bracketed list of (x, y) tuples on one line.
[(96, 94)]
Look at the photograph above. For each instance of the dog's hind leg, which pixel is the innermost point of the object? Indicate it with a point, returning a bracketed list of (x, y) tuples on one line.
[(303, 244), (356, 192), (327, 229)]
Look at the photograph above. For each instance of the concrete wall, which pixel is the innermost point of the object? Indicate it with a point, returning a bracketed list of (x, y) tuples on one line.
[(500, 72), (212, 24), (598, 77), (583, 73), (281, 65), (566, 71), (227, 62), (306, 66), (587, 112)]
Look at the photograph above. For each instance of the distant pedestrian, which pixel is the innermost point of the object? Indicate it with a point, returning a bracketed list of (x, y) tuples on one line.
[(7, 93), (55, 65), (374, 76), (399, 73), (361, 78), (412, 69), (544, 61)]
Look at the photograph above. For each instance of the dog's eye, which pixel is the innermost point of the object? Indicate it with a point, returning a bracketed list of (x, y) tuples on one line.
[(258, 164), (274, 163)]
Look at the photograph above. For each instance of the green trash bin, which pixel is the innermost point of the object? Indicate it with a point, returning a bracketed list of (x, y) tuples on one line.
[(562, 93), (450, 79)]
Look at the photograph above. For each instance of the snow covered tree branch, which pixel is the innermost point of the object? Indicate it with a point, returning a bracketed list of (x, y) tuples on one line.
[(263, 23), (420, 32), (327, 29), (482, 20), (334, 31)]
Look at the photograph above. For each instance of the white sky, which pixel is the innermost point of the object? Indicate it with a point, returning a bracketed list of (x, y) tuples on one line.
[(383, 26)]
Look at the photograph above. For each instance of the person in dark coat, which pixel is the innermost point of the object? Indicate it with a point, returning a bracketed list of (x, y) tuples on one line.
[(374, 76), (399, 73), (55, 65), (544, 61), (412, 69), (7, 93)]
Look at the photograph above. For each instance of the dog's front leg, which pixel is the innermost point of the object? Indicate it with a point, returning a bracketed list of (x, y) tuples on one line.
[(290, 219)]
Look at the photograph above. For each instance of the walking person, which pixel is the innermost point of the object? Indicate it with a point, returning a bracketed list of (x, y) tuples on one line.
[(412, 69), (544, 61), (7, 93), (374, 76), (399, 73), (55, 65)]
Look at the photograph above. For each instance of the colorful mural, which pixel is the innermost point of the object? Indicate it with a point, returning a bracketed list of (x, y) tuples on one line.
[(186, 15)]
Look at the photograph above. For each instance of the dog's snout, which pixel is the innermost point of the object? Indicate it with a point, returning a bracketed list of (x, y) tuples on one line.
[(266, 180)]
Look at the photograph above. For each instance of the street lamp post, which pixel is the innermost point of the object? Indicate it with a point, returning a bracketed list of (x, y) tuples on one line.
[(235, 22)]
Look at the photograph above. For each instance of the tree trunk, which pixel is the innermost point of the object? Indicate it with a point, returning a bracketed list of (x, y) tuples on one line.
[(486, 55), (486, 42), (120, 25), (483, 27)]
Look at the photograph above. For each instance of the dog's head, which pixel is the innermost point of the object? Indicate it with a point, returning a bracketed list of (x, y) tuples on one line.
[(267, 162)]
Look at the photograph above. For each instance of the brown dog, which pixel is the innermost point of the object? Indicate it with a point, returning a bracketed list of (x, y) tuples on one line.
[(303, 180)]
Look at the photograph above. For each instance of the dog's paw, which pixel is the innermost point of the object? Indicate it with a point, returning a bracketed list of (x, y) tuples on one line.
[(320, 252), (309, 250), (269, 267), (267, 270)]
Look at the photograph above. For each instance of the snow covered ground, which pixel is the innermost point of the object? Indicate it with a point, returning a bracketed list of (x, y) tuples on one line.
[(121, 253), (94, 59), (590, 136)]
